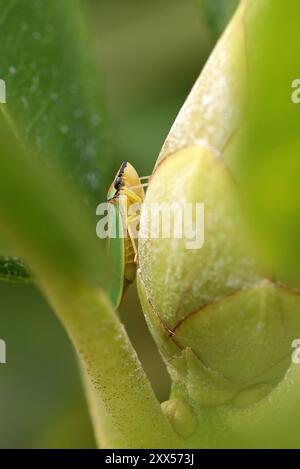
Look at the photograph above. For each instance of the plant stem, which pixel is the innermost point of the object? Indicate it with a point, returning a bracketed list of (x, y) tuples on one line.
[(125, 410)]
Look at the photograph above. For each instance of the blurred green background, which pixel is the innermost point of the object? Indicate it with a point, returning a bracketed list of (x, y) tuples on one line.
[(150, 54)]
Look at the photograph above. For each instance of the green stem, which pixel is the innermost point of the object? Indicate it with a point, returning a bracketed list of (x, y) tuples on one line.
[(122, 399), (105, 434)]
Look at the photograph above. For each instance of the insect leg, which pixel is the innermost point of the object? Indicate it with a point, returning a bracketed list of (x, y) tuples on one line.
[(131, 219), (132, 196)]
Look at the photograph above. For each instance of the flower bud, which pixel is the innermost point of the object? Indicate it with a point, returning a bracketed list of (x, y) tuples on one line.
[(222, 324)]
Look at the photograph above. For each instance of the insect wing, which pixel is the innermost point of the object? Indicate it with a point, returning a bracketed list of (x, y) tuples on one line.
[(116, 253)]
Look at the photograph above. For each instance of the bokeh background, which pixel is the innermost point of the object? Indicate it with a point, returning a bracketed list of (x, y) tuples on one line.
[(150, 54)]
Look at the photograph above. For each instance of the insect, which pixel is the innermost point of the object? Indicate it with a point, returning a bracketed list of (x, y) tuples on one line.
[(125, 193)]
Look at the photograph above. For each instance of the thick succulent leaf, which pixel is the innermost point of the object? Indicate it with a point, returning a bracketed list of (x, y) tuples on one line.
[(53, 100), (269, 156), (52, 221), (218, 13)]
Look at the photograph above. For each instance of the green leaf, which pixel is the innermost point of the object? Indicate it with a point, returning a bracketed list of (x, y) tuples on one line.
[(269, 156), (218, 13), (52, 224), (54, 105)]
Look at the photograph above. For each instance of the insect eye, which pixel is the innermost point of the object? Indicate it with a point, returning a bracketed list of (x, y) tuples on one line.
[(118, 182)]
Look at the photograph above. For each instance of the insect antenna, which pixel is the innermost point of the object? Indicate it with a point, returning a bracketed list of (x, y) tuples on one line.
[(139, 185)]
